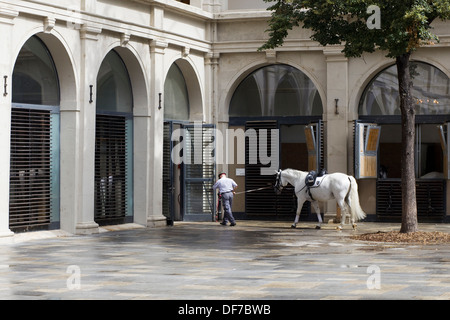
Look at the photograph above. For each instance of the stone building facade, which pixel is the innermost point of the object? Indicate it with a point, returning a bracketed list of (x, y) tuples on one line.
[(94, 90)]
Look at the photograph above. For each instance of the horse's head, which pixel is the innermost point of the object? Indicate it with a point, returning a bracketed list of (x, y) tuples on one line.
[(278, 187), (382, 173)]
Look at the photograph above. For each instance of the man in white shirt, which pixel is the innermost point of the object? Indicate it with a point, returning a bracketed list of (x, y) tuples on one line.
[(227, 189)]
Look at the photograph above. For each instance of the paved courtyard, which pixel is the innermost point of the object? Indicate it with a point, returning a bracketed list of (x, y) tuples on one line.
[(254, 260)]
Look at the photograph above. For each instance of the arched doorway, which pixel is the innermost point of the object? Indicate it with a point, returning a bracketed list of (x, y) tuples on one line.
[(283, 106), (34, 194), (187, 181), (113, 143), (176, 113), (379, 109)]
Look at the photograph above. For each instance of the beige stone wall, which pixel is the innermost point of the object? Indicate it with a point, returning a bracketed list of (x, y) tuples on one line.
[(214, 42)]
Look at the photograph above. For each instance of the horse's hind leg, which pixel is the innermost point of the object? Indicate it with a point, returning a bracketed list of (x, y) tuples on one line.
[(343, 206), (316, 207)]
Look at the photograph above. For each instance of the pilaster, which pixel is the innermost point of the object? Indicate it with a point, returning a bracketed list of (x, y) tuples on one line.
[(7, 17), (155, 218), (336, 114), (85, 223), (212, 86)]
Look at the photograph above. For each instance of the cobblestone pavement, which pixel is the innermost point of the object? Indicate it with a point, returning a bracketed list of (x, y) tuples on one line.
[(254, 260)]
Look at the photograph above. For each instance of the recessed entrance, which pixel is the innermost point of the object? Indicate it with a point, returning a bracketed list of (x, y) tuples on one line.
[(277, 100), (379, 106), (113, 143), (34, 171)]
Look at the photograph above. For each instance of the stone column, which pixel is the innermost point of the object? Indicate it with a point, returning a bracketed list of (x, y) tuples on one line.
[(6, 66), (85, 223), (155, 218), (336, 116), (212, 104), (142, 124)]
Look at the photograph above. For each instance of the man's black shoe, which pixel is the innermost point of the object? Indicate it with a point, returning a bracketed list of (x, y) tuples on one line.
[(232, 224), (223, 223)]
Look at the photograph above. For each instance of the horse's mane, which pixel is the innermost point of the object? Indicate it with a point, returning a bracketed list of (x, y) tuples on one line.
[(294, 172)]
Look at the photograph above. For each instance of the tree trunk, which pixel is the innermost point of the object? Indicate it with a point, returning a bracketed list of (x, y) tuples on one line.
[(409, 206)]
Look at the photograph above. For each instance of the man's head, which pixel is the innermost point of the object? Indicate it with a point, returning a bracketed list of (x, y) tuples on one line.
[(222, 174)]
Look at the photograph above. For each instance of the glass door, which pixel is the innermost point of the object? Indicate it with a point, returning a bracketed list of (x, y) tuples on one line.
[(198, 172), (172, 177)]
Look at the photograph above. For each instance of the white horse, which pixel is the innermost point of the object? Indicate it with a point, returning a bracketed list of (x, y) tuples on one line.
[(339, 186)]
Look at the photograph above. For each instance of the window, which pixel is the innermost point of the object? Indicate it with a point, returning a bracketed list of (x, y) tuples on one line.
[(176, 99), (35, 80), (431, 92), (276, 90), (114, 92)]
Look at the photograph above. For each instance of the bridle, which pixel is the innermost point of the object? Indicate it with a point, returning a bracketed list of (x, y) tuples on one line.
[(278, 187)]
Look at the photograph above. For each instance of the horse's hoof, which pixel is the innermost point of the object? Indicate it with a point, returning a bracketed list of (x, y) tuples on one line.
[(339, 228), (318, 227), (354, 226), (293, 226)]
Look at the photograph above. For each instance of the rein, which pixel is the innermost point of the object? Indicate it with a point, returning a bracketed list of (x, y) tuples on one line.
[(248, 191)]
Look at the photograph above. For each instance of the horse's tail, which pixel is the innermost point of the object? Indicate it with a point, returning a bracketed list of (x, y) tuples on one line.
[(352, 200)]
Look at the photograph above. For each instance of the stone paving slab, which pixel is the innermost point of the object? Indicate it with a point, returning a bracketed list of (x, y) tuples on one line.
[(202, 261)]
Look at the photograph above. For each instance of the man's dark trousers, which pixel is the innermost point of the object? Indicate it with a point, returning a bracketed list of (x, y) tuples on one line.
[(227, 201)]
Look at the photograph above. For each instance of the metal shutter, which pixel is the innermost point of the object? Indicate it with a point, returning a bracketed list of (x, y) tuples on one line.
[(260, 202), (199, 173), (30, 171), (430, 196), (266, 202), (167, 190), (110, 169)]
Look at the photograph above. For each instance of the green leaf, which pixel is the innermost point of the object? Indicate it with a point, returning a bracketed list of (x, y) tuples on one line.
[(405, 25)]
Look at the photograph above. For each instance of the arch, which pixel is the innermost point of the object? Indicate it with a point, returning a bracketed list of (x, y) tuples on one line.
[(131, 55), (114, 90), (63, 61), (176, 96), (113, 142), (378, 102), (35, 79), (137, 78), (361, 84), (194, 91), (239, 76), (69, 106), (430, 91), (276, 90), (35, 125)]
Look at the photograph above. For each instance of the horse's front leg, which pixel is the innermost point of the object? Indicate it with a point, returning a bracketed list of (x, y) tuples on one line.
[(316, 207), (299, 209)]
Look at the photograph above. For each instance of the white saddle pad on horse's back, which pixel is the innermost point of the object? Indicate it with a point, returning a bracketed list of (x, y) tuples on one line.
[(318, 181)]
